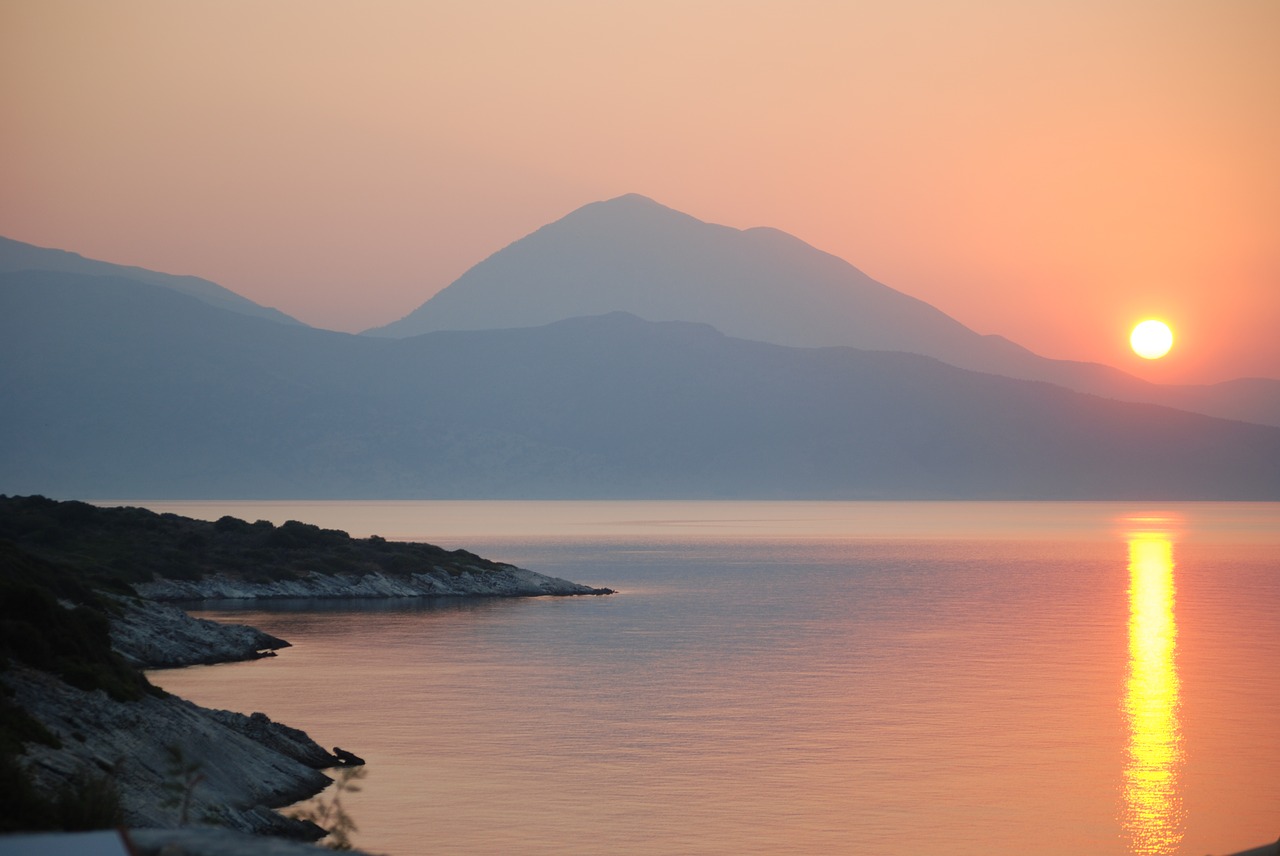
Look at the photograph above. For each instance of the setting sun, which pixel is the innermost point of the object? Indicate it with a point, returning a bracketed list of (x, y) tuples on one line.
[(1151, 340)]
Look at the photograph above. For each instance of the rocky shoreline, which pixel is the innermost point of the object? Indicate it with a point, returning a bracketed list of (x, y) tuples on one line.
[(151, 635), (150, 632), (247, 765), (502, 581), (88, 603), (172, 762)]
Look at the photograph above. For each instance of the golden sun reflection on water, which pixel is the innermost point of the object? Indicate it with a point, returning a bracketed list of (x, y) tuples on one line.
[(1152, 814)]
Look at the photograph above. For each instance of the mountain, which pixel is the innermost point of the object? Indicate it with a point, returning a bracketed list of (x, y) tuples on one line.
[(631, 254), (17, 256), (114, 388), (634, 255)]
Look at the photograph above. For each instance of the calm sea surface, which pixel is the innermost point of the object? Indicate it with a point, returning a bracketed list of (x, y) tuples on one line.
[(822, 678)]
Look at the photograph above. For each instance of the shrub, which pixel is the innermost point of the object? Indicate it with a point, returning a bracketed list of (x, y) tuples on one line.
[(89, 802), (72, 643), (227, 523)]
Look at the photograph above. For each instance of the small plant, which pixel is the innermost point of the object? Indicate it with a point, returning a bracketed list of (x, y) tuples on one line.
[(89, 802), (184, 776), (330, 814)]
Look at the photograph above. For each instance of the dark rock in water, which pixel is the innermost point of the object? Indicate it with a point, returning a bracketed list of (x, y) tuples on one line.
[(348, 759)]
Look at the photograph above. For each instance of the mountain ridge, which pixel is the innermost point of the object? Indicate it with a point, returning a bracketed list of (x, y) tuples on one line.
[(18, 256), (1255, 400), (633, 254), (126, 390)]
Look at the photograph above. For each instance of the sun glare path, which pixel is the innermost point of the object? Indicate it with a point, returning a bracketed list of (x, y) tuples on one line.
[(1152, 814), (1151, 339)]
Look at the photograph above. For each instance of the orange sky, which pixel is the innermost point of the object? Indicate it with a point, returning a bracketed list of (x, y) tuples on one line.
[(1050, 171)]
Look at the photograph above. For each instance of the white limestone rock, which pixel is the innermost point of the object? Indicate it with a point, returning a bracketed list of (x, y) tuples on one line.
[(157, 635), (507, 581)]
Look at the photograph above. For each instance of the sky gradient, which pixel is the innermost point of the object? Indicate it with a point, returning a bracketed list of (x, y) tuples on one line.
[(1050, 171)]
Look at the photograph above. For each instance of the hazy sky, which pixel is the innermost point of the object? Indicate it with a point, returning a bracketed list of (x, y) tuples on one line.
[(1050, 171)]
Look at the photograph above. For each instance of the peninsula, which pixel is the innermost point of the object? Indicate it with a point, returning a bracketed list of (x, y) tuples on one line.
[(86, 741)]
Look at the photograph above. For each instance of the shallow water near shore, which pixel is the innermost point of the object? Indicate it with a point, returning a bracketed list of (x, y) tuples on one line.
[(827, 678)]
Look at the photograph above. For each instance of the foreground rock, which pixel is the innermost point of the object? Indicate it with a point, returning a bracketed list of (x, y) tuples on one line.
[(157, 842), (502, 581), (215, 842), (79, 588), (230, 770)]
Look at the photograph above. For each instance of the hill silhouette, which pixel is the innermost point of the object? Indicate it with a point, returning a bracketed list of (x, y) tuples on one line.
[(632, 254), (118, 389), (17, 256)]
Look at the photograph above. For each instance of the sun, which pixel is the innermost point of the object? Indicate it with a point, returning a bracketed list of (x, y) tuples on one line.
[(1151, 339)]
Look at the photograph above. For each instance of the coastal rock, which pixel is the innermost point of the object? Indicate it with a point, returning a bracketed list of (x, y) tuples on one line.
[(348, 759), (290, 742), (505, 581), (154, 747), (156, 636), (173, 764)]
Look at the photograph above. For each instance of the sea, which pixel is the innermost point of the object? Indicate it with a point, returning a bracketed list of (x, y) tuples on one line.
[(794, 678)]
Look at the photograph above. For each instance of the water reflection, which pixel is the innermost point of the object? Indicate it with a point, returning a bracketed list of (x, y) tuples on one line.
[(1152, 813)]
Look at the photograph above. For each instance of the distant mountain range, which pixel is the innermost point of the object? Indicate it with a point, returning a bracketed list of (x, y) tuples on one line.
[(112, 387), (634, 255), (16, 256)]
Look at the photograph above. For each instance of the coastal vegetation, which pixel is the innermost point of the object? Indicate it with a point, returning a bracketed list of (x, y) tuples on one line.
[(114, 548), (72, 643), (38, 633)]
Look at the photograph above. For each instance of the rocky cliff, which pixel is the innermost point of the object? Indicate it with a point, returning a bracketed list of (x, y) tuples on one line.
[(174, 763)]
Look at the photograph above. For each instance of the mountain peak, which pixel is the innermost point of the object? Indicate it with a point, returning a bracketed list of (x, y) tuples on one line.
[(631, 199), (630, 208), (633, 254)]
